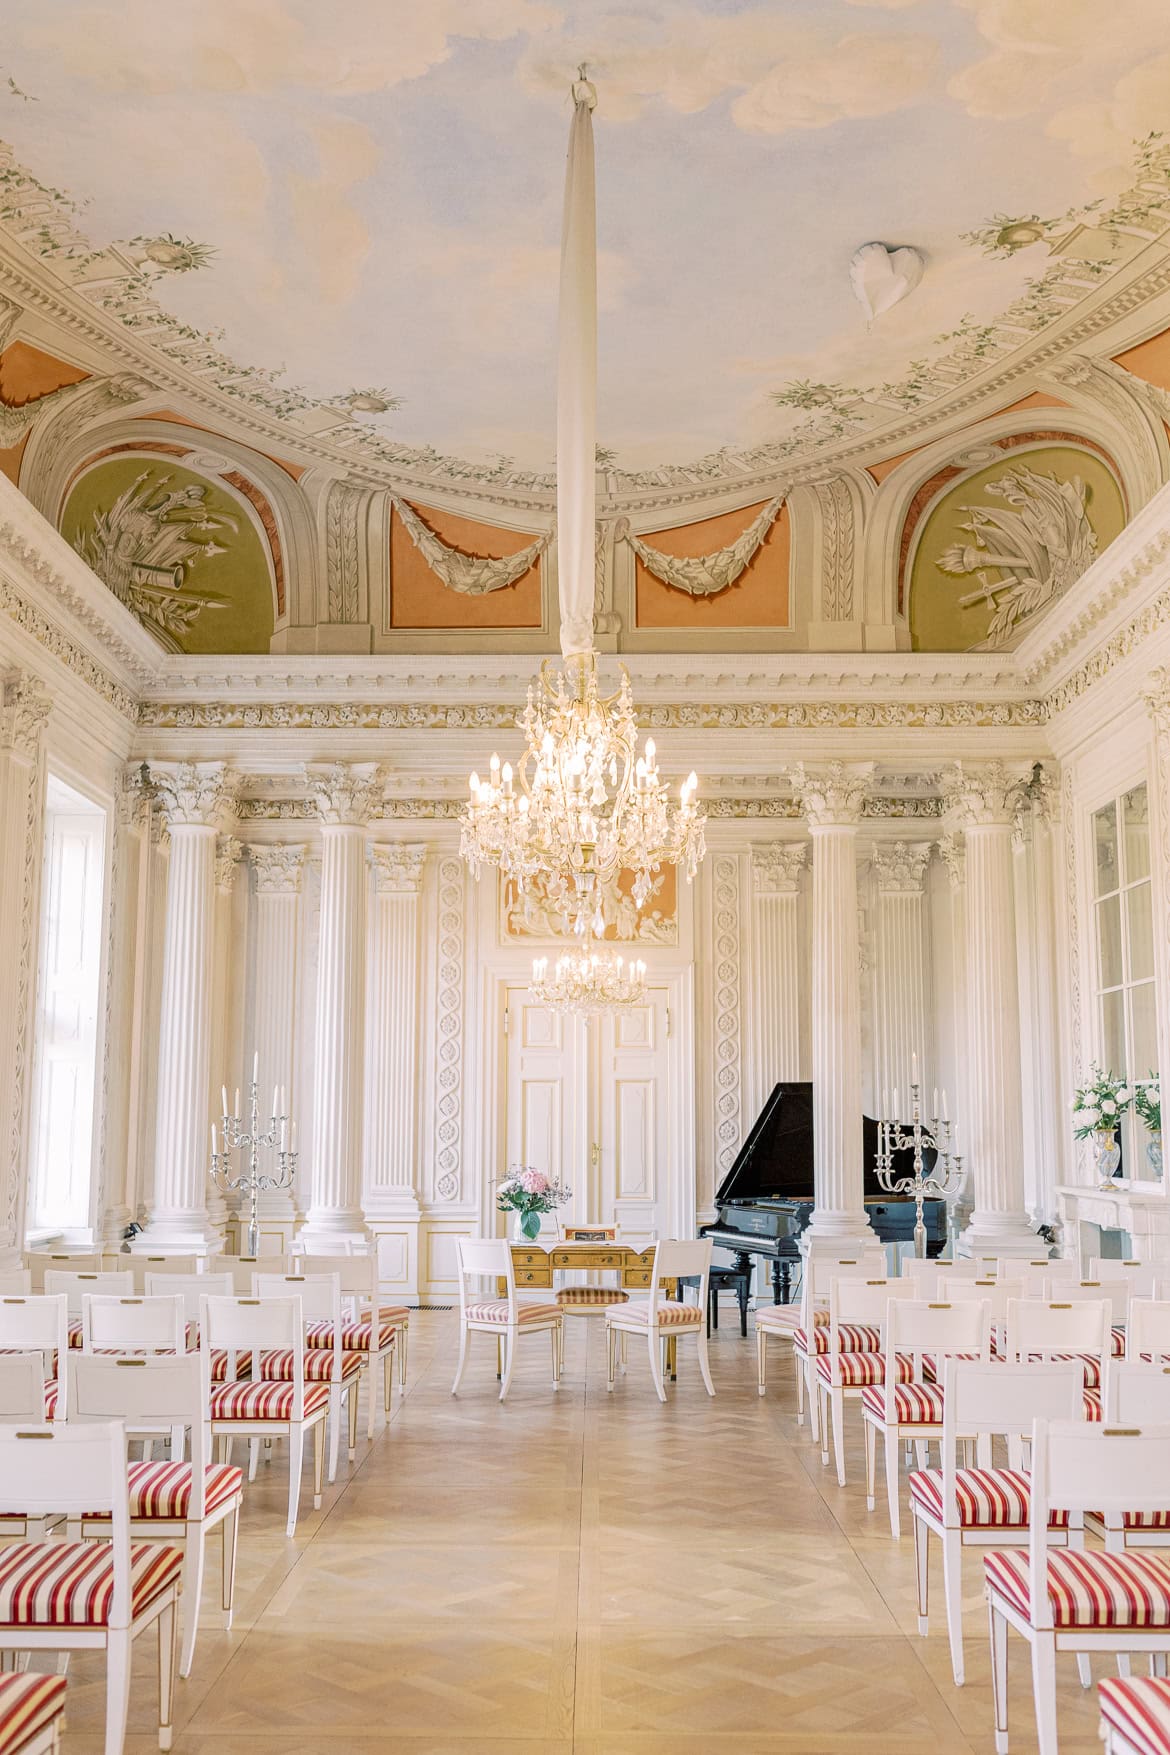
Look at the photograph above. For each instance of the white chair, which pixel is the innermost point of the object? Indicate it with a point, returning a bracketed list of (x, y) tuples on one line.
[(38, 1323), (1115, 1293), (976, 1507), (1135, 1716), (1038, 1273), (31, 1707), (15, 1280), (242, 1267), (141, 1267), (1062, 1328), (1069, 1600), (660, 1318), (78, 1284), (144, 1324), (22, 1403), (191, 1288), (1136, 1392), (810, 1333), (41, 1261), (843, 1371), (903, 1407), (85, 1596), (375, 1341), (506, 1318), (173, 1501), (285, 1409), (320, 1297), (931, 1274), (1148, 1331), (995, 1294), (1140, 1276)]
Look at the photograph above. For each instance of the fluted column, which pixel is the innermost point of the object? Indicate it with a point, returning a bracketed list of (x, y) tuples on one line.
[(832, 800), (128, 866), (24, 709), (1157, 697), (899, 869), (193, 800), (776, 964), (228, 852), (346, 798), (277, 873), (389, 1184), (983, 802)]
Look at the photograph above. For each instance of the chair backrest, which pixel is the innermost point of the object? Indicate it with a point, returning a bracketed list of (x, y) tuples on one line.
[(190, 1288), (934, 1329), (855, 1300), (148, 1395), (143, 1266), (934, 1274), (983, 1398), (1037, 1272), (242, 1267), (15, 1280), (1080, 1466), (675, 1259), (1115, 1293), (1147, 1331), (77, 1285), (22, 1388), (41, 1261), (1135, 1392), (1039, 1327), (484, 1255), (1140, 1276), (254, 1325), (994, 1292), (320, 1296), (821, 1270), (72, 1470), (38, 1323), (357, 1273), (133, 1325)]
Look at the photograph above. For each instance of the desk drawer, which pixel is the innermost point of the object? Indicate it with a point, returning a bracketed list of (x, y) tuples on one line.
[(522, 1258), (636, 1279)]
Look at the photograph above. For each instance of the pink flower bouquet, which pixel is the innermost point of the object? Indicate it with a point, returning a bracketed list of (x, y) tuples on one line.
[(530, 1193)]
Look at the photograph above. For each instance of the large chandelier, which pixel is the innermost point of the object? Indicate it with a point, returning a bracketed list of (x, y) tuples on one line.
[(588, 980), (582, 806)]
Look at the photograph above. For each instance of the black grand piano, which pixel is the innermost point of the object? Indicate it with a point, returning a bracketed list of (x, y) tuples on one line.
[(766, 1199)]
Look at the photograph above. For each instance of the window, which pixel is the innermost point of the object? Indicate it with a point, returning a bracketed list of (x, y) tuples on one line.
[(1124, 918), (68, 994)]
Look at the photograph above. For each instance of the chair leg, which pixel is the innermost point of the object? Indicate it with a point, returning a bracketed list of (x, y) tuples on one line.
[(509, 1361), (704, 1362), (1124, 1667), (371, 1375), (555, 1357), (253, 1457), (610, 1354), (400, 1343), (953, 1594), (1044, 1692), (824, 1396), (1084, 1669), (166, 1673), (335, 1413), (838, 1401), (229, 1537), (193, 1561), (117, 1690), (998, 1629), (318, 1462), (922, 1572), (815, 1403), (1158, 1663), (892, 1481), (352, 1391), (296, 1456), (870, 1431), (762, 1371), (656, 1364), (462, 1359)]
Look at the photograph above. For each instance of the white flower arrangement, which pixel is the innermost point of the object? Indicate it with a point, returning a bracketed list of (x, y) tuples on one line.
[(1147, 1104), (1099, 1103)]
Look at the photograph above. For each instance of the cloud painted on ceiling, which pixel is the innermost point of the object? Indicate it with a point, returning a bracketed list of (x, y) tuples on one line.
[(377, 187)]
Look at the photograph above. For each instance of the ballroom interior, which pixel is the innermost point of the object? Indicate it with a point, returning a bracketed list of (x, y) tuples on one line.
[(584, 763)]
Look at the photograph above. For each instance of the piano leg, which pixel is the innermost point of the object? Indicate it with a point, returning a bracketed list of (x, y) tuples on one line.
[(781, 1281)]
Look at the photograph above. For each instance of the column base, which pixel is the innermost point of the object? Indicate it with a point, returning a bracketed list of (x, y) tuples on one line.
[(1009, 1234), (834, 1231), (178, 1234), (333, 1233)]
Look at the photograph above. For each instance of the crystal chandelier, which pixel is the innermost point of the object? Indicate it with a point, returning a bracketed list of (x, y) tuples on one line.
[(583, 805), (588, 980)]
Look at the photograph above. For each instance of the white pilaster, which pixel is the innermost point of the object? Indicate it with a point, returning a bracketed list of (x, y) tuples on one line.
[(24, 708), (832, 800), (192, 797), (346, 798), (277, 874), (390, 1190), (116, 1163), (983, 801), (900, 971), (776, 964), (228, 852), (1157, 697)]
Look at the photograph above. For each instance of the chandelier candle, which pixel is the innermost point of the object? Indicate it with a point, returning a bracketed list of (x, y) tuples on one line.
[(944, 1178), (251, 1181), (589, 981)]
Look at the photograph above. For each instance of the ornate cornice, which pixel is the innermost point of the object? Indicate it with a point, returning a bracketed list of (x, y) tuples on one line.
[(347, 795), (832, 796), (900, 866), (192, 794), (279, 868), (398, 867), (24, 710), (777, 865)]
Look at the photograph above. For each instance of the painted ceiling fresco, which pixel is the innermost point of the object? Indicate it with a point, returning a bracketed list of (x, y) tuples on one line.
[(359, 204)]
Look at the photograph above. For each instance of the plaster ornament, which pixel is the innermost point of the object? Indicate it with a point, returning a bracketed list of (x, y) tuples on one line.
[(882, 278), (704, 575)]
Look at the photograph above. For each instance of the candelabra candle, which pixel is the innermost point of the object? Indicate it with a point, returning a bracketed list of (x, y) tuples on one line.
[(941, 1180), (250, 1181)]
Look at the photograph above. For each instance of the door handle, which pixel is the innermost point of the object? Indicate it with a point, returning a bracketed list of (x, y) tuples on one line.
[(595, 1154)]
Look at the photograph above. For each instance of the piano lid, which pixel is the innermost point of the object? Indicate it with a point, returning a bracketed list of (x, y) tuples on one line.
[(775, 1161)]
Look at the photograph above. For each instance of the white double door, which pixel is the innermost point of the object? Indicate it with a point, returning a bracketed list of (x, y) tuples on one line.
[(594, 1102)]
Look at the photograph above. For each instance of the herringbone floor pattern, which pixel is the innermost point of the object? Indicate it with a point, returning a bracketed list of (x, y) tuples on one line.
[(579, 1573)]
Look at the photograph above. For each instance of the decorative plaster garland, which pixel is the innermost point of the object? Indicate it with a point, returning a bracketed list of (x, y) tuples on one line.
[(471, 575), (704, 575)]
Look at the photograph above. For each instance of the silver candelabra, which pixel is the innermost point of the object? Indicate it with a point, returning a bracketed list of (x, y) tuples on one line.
[(249, 1142), (944, 1179)]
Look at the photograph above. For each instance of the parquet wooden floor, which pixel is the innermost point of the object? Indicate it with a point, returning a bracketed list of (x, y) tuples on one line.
[(582, 1574)]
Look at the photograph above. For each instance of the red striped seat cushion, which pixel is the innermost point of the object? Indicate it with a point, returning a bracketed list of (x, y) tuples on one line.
[(1089, 1363), (163, 1489), (1092, 1404), (75, 1331), (264, 1401), (1088, 1589), (71, 1584), (1117, 1340), (1138, 1707), (669, 1314), (52, 1394), (592, 1296), (779, 1319), (355, 1336), (496, 1310), (276, 1365), (855, 1337), (985, 1498), (27, 1704), (915, 1404), (856, 1370)]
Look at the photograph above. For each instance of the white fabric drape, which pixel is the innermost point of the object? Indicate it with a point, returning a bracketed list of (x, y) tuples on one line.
[(577, 383)]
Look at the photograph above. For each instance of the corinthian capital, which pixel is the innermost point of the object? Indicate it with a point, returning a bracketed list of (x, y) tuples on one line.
[(191, 793), (900, 866), (834, 795), (347, 793), (278, 869), (228, 852), (398, 868), (986, 793), (776, 867), (24, 707), (1157, 696)]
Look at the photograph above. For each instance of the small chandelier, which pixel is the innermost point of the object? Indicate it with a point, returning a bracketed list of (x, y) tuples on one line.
[(588, 980), (583, 805)]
